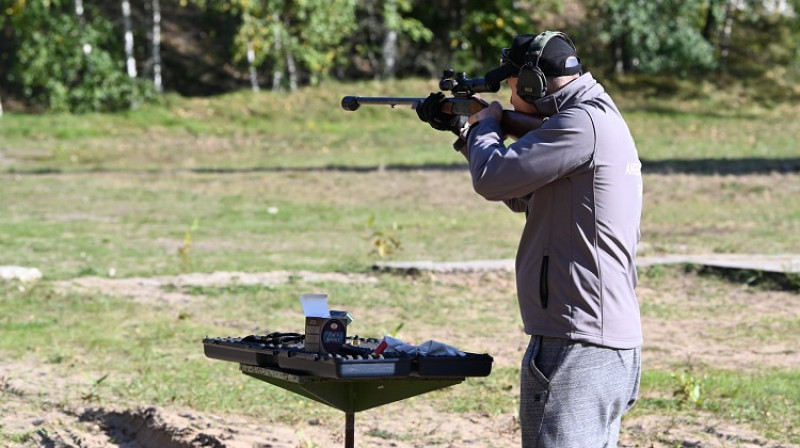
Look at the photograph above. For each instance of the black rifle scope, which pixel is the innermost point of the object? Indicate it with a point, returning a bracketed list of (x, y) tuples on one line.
[(461, 86)]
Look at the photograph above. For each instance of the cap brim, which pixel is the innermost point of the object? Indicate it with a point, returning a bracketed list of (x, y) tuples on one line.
[(500, 74)]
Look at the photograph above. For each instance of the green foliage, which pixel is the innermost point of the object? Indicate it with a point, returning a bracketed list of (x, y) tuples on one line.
[(93, 394), (376, 19), (689, 388), (765, 43), (43, 43), (185, 250), (383, 243), (489, 26), (68, 65), (656, 37), (468, 35), (397, 19), (308, 32)]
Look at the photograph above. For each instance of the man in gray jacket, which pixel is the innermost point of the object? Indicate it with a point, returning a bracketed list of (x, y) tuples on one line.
[(577, 177)]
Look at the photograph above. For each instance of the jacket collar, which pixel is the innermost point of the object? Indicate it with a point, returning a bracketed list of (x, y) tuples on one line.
[(578, 91)]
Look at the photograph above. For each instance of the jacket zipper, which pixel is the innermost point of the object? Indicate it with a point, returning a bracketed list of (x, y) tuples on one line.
[(543, 281)]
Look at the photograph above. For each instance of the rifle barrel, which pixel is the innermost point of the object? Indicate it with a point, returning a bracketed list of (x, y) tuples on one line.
[(352, 103)]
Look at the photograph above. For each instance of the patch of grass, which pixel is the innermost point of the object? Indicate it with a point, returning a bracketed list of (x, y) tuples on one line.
[(495, 394), (135, 224), (702, 292), (768, 401), (237, 131), (152, 352), (250, 291), (156, 353), (308, 128), (386, 435), (700, 213), (22, 438), (750, 398), (292, 182)]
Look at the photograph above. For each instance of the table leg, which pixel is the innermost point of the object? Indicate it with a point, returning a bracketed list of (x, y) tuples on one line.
[(349, 429)]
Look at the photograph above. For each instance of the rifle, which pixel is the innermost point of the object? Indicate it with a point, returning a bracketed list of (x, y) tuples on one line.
[(463, 102)]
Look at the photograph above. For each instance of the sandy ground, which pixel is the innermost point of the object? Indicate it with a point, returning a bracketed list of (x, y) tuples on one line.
[(32, 396)]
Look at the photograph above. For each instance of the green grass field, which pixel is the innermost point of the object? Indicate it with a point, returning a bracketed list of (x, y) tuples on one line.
[(265, 182)]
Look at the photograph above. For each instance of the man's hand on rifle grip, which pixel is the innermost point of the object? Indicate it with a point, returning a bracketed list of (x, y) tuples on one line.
[(430, 111), (493, 110)]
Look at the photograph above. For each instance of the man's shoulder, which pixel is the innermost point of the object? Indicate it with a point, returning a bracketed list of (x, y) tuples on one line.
[(576, 115)]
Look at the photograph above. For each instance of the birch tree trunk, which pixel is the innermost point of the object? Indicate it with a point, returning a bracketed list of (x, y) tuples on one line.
[(291, 69), (86, 48), (251, 58), (277, 78), (727, 29), (157, 46), (1, 105), (126, 22), (619, 64), (389, 53), (79, 12), (277, 73), (389, 48)]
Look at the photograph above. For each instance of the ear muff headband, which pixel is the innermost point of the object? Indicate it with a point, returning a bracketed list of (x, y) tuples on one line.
[(531, 82)]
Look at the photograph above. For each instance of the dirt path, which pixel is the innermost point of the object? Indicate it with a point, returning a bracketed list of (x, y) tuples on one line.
[(45, 422), (37, 402)]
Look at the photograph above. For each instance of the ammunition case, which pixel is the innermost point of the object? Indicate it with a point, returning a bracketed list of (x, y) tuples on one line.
[(325, 335)]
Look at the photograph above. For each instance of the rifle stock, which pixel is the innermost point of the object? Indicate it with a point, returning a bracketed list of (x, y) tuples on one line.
[(514, 124)]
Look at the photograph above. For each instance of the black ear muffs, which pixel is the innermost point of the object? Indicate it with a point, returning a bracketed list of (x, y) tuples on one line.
[(531, 82)]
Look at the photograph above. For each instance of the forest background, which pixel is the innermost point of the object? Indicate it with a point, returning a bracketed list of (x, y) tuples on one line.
[(110, 55)]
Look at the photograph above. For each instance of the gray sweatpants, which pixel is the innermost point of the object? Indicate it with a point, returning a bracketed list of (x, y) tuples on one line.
[(573, 395)]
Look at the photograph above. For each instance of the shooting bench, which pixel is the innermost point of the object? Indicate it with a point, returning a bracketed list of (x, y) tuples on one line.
[(353, 380)]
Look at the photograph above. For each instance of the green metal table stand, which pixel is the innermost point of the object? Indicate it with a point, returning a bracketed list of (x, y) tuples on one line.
[(350, 395)]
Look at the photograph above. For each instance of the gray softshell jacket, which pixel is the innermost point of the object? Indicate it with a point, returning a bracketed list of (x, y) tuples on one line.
[(578, 179)]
